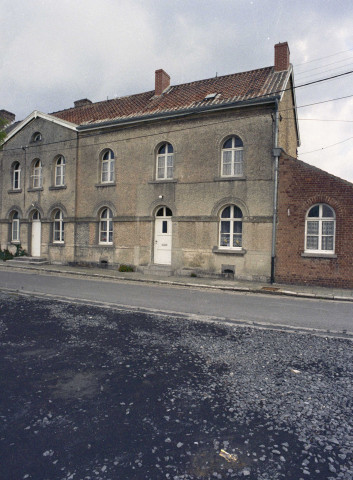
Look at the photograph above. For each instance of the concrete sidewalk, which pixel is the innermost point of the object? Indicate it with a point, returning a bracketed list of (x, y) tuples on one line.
[(337, 294)]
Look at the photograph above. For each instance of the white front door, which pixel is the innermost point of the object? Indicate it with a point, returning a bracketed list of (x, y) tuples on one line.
[(36, 238), (163, 239)]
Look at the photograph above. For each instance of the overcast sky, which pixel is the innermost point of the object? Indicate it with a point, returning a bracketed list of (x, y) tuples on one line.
[(54, 52)]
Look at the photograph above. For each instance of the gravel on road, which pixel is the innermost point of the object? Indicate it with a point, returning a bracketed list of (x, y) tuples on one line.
[(94, 393)]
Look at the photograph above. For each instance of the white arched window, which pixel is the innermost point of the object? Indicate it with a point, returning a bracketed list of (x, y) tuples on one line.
[(15, 227), (165, 162), (106, 226), (232, 157), (37, 174), (16, 176), (107, 167), (58, 227), (231, 227), (60, 172), (320, 225)]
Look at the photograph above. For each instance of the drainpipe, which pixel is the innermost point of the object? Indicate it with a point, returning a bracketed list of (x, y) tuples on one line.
[(276, 154), (76, 199)]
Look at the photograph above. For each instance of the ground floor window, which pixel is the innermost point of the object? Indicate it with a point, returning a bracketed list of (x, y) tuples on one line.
[(106, 227), (15, 227), (231, 227), (320, 229), (58, 229)]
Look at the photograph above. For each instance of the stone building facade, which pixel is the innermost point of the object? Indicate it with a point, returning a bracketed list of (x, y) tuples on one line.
[(181, 178)]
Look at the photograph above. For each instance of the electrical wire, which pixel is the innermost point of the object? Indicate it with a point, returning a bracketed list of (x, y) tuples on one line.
[(322, 58), (328, 146)]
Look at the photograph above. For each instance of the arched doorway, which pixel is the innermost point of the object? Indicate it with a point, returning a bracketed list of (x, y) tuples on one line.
[(36, 238), (163, 236)]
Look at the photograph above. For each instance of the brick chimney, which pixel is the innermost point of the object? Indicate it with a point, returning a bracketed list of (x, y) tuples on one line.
[(7, 116), (281, 56), (82, 103), (162, 81)]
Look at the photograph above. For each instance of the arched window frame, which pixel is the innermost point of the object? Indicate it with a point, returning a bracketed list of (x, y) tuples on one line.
[(16, 176), (106, 227), (60, 165), (15, 227), (232, 158), (36, 137), (58, 226), (165, 162), (107, 166), (320, 229), (231, 228), (37, 181)]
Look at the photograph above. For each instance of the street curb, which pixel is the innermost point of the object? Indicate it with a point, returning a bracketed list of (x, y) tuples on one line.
[(263, 290)]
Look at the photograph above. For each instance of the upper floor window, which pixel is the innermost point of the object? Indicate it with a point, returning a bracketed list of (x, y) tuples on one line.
[(320, 229), (106, 226), (232, 157), (37, 174), (36, 137), (231, 227), (58, 227), (15, 227), (60, 172), (16, 176), (165, 162), (108, 166)]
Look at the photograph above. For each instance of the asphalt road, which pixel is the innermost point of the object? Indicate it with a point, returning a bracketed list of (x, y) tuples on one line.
[(95, 393), (271, 310)]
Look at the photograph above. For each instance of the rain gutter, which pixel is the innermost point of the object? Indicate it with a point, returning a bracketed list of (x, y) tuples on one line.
[(173, 115)]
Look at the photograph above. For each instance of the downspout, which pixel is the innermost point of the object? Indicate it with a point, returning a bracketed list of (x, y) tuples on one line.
[(24, 195), (76, 199), (276, 154)]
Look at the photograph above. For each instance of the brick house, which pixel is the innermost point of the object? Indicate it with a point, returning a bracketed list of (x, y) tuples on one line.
[(315, 226), (181, 179)]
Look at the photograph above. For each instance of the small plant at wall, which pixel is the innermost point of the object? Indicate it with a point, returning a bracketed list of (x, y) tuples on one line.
[(193, 274), (20, 252), (5, 255), (125, 268)]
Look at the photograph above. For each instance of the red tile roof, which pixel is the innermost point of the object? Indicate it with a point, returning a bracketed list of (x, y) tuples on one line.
[(237, 87)]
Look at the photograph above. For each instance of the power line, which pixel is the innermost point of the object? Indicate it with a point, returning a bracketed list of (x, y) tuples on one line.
[(323, 66), (322, 58), (321, 120), (328, 146), (317, 103), (329, 70)]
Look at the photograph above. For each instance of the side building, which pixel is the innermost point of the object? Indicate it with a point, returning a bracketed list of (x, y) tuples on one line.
[(181, 178), (315, 226)]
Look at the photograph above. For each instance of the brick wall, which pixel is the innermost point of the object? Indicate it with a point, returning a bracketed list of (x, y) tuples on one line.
[(300, 187)]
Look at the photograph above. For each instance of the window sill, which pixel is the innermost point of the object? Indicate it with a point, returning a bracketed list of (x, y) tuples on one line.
[(15, 190), (164, 180), (36, 189), (58, 187), (57, 244), (15, 242), (104, 245), (229, 179), (318, 255), (228, 251), (107, 184)]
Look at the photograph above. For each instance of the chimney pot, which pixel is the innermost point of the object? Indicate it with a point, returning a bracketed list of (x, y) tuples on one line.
[(7, 116), (82, 103), (162, 81), (281, 57)]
